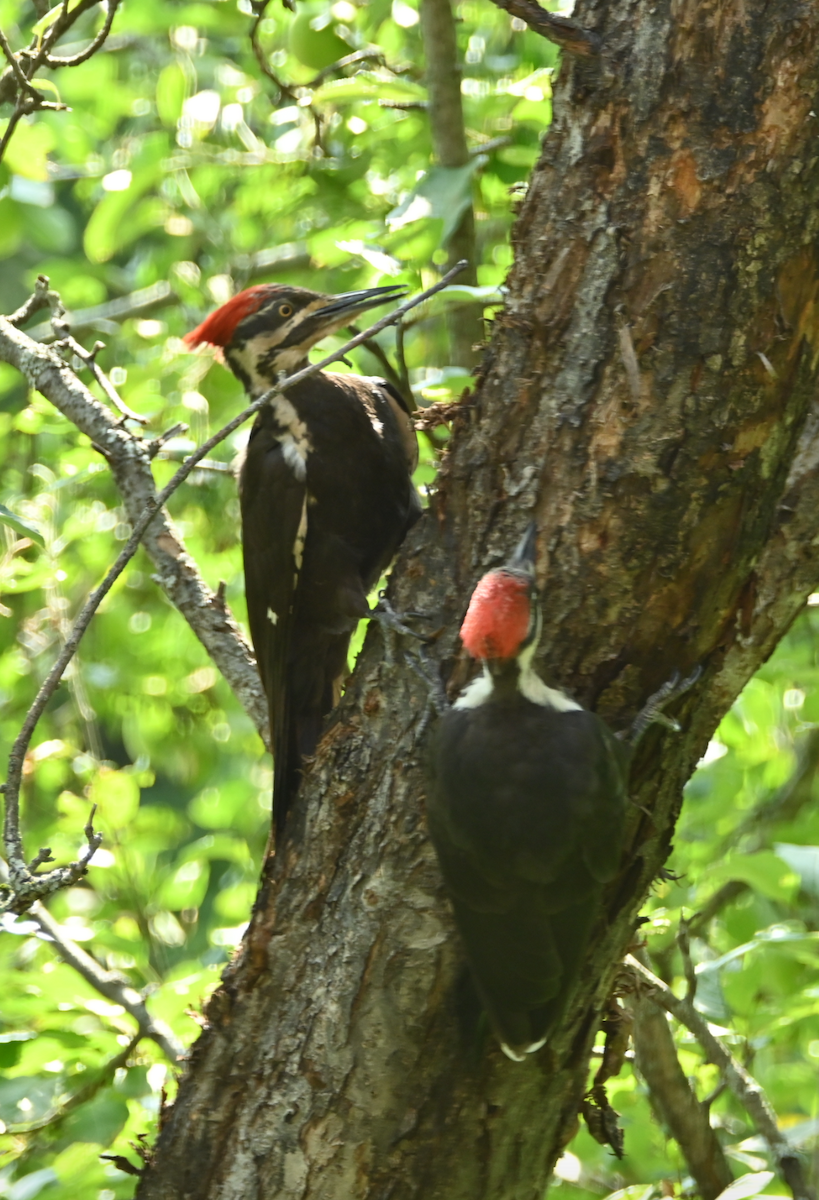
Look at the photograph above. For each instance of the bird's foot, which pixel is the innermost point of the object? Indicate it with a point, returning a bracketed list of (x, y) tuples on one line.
[(393, 625), (652, 711), (388, 618)]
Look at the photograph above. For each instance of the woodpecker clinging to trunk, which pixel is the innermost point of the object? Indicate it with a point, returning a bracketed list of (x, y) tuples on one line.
[(326, 498), (525, 807)]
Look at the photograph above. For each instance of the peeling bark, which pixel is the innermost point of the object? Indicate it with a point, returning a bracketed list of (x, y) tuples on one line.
[(649, 397)]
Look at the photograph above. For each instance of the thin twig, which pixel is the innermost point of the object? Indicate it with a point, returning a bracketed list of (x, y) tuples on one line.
[(284, 89), (82, 1094), (349, 60), (567, 34), (15, 117), (89, 358), (128, 457), (109, 984), (14, 63), (746, 1089), (74, 60), (39, 299), (156, 445), (67, 18), (26, 887), (261, 59)]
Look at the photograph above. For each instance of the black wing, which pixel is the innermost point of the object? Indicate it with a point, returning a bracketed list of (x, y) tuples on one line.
[(273, 499), (525, 810)]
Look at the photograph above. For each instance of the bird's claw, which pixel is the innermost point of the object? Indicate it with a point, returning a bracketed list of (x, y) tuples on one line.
[(652, 711), (385, 614)]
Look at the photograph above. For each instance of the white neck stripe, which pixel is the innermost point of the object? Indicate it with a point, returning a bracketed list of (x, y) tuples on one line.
[(530, 685)]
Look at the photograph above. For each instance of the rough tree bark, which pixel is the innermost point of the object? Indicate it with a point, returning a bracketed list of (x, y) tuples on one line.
[(649, 397)]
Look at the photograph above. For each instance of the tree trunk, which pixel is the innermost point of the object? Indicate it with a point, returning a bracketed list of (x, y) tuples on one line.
[(446, 123), (649, 398)]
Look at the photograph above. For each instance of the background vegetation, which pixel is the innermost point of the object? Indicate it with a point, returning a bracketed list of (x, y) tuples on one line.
[(182, 172)]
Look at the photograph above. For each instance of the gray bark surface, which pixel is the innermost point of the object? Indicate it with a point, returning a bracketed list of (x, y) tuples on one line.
[(649, 397)]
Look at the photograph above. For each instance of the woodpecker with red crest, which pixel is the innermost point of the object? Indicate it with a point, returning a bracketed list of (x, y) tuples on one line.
[(326, 499), (526, 807)]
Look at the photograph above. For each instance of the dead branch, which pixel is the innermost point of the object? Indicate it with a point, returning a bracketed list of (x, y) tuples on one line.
[(26, 885), (564, 32), (746, 1089)]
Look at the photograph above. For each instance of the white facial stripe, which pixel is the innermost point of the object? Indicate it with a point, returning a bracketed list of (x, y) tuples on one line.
[(272, 617), (513, 1054), (477, 692), (530, 685), (534, 689)]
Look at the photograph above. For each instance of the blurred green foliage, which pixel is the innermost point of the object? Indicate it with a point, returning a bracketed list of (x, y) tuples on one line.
[(180, 162)]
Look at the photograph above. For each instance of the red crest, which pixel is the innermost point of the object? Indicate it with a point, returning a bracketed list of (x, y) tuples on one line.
[(218, 329), (497, 620)]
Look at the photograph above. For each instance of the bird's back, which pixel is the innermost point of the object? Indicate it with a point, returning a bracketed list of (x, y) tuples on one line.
[(525, 807), (344, 520)]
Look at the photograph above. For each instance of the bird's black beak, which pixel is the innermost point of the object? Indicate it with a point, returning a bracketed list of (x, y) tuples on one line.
[(523, 560), (349, 304)]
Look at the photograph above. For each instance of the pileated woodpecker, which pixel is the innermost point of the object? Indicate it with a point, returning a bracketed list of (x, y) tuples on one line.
[(525, 807), (326, 497)]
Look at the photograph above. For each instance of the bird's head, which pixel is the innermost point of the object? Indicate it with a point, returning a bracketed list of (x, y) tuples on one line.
[(267, 331), (503, 619)]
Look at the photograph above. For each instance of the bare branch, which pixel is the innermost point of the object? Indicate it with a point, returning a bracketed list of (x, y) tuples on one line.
[(67, 18), (14, 63), (261, 58), (82, 1094), (746, 1089), (26, 886), (74, 60), (39, 299), (38, 55), (571, 37), (671, 1095), (90, 360), (129, 458), (349, 60), (109, 984)]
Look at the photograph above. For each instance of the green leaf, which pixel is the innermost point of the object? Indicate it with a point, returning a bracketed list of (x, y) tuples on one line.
[(116, 794), (21, 525), (765, 871), (51, 16), (805, 861), (171, 92), (27, 152), (29, 1186), (444, 192), (369, 85), (98, 1121), (746, 1186), (186, 887)]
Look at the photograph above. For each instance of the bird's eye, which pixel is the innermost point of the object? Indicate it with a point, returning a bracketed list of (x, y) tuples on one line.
[(285, 310)]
